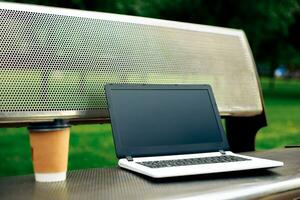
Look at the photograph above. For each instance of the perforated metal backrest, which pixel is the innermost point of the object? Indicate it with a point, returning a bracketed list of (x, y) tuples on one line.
[(54, 62)]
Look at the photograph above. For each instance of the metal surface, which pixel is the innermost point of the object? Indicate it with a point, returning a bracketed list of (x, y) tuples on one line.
[(241, 131), (54, 62), (114, 183)]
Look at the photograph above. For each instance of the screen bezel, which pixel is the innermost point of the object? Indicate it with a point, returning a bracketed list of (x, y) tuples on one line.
[(123, 150)]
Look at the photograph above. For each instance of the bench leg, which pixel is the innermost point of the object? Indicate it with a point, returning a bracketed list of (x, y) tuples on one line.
[(241, 131)]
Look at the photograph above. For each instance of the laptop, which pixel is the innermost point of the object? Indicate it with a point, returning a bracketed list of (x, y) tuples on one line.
[(172, 130)]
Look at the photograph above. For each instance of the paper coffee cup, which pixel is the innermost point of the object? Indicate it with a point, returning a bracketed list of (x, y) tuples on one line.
[(49, 149)]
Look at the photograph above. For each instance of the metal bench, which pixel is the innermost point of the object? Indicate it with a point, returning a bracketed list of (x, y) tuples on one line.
[(54, 63)]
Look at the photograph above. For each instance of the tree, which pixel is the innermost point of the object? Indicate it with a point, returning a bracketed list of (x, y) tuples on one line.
[(267, 23)]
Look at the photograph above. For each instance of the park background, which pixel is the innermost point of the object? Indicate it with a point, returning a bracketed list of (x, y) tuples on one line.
[(273, 31)]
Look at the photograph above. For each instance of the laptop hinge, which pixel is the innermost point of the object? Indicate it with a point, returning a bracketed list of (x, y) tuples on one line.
[(222, 152), (129, 158)]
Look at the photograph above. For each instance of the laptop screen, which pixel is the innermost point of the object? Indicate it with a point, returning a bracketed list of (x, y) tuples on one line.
[(161, 120)]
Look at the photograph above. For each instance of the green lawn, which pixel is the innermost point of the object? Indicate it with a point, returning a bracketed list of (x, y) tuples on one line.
[(92, 145), (283, 114)]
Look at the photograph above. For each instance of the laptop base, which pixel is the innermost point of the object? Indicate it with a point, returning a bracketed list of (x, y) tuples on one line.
[(250, 163)]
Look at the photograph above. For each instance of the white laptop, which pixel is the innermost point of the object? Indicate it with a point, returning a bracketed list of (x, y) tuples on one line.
[(172, 130)]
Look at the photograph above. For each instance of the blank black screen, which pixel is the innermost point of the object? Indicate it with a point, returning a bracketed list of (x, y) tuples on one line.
[(161, 117)]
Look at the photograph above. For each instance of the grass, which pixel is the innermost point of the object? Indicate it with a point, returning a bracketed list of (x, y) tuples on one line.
[(283, 114), (92, 145)]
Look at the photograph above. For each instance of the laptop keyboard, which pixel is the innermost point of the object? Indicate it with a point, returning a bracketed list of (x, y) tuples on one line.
[(192, 161)]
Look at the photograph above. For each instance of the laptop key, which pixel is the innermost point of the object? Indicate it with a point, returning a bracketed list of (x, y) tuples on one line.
[(192, 161)]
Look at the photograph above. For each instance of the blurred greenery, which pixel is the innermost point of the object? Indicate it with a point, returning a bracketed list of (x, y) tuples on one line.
[(283, 114), (90, 146)]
